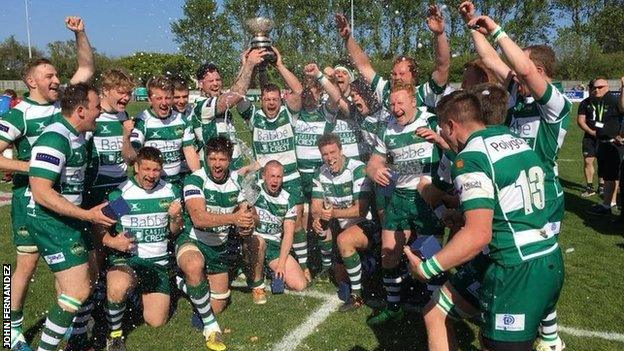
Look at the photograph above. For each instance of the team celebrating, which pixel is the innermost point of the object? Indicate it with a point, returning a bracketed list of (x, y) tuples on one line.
[(137, 206)]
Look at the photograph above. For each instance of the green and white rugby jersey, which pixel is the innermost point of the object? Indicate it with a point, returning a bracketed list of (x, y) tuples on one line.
[(497, 170), (308, 129), (60, 155), (371, 126), (343, 188), (107, 166), (542, 123), (412, 156), (272, 211), (427, 94), (274, 139), (22, 125), (207, 124), (148, 221), (350, 137), (169, 135), (220, 198)]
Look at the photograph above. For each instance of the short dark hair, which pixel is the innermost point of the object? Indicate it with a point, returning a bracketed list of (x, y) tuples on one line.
[(461, 106), (328, 139), (219, 144), (205, 68), (544, 56), (179, 83), (150, 154), (159, 82), (76, 95), (269, 88), (11, 93), (493, 102), (363, 89), (413, 66), (31, 65)]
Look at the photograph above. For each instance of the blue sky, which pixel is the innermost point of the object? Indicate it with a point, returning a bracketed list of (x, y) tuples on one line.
[(115, 27)]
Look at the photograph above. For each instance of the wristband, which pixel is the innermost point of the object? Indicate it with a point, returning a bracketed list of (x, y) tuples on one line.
[(500, 36), (495, 32), (430, 268), (319, 75)]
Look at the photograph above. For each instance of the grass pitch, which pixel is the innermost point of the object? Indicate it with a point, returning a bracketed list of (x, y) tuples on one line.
[(591, 299)]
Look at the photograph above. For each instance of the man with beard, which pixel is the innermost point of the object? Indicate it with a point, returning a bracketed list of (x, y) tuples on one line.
[(274, 139), (212, 196), (210, 114), (55, 218), (163, 128), (406, 212), (20, 127), (138, 256), (405, 69)]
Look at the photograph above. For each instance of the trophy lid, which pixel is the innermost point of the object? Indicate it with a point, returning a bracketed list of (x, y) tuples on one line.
[(259, 26)]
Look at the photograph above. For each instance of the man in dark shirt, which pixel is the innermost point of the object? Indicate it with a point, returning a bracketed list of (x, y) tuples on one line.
[(586, 120), (608, 111)]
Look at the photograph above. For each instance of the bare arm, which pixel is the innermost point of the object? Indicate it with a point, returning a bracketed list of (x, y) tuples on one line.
[(357, 56), (582, 123), (435, 22), (201, 218), (46, 196), (294, 100), (9, 164), (84, 52), (335, 96), (192, 159), (250, 58), (128, 152), (357, 210), (524, 68), (287, 241), (176, 224), (485, 51)]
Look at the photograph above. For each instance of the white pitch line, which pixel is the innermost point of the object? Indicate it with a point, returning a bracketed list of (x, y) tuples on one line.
[(293, 339), (592, 334), (567, 160)]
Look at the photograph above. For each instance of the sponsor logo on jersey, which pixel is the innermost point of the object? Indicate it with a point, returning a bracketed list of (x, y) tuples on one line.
[(179, 131), (272, 135), (155, 134), (134, 206), (508, 144), (211, 198), (4, 128), (40, 126), (77, 249), (509, 322), (473, 184), (164, 203), (22, 231), (134, 135), (54, 258), (104, 129), (78, 156), (459, 163), (48, 158), (148, 221)]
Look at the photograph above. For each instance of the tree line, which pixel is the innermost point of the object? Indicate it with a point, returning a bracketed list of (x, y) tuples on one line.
[(586, 34)]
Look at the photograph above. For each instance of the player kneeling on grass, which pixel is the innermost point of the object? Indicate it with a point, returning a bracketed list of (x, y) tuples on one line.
[(342, 183), (211, 196), (138, 257), (272, 239)]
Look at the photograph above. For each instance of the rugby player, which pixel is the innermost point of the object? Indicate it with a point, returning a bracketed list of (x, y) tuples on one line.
[(138, 258), (55, 219), (20, 127), (211, 197), (341, 183)]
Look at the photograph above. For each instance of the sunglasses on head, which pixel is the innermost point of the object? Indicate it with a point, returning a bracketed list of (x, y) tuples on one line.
[(598, 87)]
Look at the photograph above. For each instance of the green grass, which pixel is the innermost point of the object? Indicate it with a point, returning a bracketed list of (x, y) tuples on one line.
[(591, 298)]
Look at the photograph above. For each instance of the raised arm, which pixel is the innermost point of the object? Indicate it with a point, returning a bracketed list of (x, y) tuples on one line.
[(483, 47), (356, 54), (523, 67), (335, 97), (294, 100), (84, 52), (435, 22), (249, 60)]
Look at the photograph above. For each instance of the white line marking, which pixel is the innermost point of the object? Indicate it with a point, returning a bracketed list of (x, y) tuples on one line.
[(592, 334), (567, 160), (328, 306)]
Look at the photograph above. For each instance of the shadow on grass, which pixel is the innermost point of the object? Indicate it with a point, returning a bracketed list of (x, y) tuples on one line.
[(30, 333), (603, 224)]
